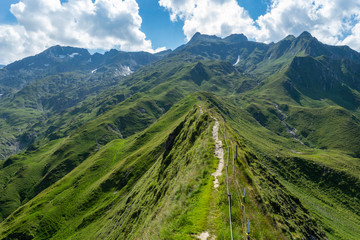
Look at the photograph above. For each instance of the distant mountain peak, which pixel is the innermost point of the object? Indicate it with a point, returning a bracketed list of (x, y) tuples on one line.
[(305, 35), (196, 35), (111, 53), (289, 37), (64, 51), (203, 37), (234, 38)]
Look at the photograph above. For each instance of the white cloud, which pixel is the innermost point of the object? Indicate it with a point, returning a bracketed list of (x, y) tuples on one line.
[(219, 17), (327, 20), (102, 24), (332, 22), (354, 38)]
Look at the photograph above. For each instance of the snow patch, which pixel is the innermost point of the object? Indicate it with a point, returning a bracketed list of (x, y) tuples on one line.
[(94, 71), (68, 55), (73, 54), (237, 61), (123, 71)]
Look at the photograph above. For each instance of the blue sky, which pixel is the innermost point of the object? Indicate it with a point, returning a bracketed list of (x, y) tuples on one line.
[(162, 32), (30, 26), (157, 26), (5, 14)]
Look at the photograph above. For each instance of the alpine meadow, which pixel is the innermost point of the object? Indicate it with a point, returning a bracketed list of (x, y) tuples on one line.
[(221, 138)]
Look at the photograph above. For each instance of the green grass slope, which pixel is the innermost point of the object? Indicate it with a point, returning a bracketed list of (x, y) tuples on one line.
[(27, 174), (158, 185), (103, 118), (325, 182), (101, 176)]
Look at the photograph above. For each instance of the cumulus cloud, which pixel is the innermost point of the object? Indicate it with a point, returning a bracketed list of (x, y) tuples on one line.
[(329, 21), (102, 24), (332, 22), (353, 39), (219, 17)]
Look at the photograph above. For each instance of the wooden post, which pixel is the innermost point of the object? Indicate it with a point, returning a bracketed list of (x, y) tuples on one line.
[(236, 151), (231, 233), (244, 196), (234, 156), (227, 171), (228, 155), (227, 179)]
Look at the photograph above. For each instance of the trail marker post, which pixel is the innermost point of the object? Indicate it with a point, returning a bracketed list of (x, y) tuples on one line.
[(233, 163), (231, 233), (227, 180)]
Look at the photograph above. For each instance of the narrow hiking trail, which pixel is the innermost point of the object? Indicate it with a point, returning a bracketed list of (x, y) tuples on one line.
[(219, 153), (201, 111), (203, 236)]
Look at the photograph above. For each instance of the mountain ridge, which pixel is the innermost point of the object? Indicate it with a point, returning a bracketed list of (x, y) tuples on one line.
[(132, 156)]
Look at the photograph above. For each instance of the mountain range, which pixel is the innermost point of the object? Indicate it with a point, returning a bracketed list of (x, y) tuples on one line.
[(125, 145)]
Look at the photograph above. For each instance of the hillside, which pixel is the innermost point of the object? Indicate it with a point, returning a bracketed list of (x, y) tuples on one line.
[(33, 88), (93, 153)]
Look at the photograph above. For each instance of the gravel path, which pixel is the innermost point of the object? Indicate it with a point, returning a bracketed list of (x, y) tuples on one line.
[(203, 236), (219, 153)]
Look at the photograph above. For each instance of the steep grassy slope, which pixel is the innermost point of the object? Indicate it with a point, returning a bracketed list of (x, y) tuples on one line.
[(109, 121), (39, 101), (315, 101), (326, 127), (102, 176), (40, 87), (46, 165), (323, 174), (326, 182), (206, 61), (325, 78), (157, 185), (34, 112)]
